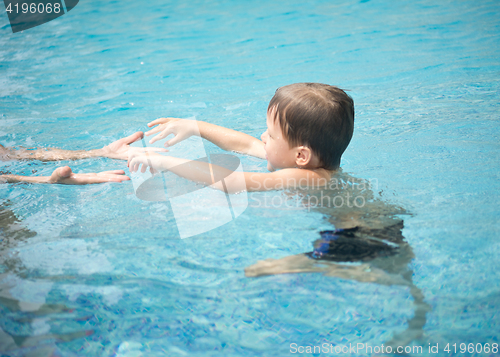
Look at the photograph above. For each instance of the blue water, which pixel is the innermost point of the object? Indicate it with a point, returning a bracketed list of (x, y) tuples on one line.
[(94, 271)]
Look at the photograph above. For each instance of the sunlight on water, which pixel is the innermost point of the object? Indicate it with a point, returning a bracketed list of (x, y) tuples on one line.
[(94, 270)]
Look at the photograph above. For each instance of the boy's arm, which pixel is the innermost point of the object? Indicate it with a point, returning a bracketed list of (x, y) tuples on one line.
[(226, 139), (116, 150), (234, 181), (64, 175)]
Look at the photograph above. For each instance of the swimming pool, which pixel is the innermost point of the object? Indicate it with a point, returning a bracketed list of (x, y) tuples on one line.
[(93, 270)]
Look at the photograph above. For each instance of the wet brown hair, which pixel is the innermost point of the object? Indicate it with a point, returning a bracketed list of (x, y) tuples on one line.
[(315, 115)]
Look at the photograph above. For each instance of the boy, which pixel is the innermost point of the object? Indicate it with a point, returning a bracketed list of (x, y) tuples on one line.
[(309, 126)]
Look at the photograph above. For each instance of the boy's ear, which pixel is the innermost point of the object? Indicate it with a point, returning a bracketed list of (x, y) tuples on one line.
[(303, 156)]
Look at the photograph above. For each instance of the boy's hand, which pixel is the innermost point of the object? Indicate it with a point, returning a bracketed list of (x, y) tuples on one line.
[(64, 175), (181, 128), (153, 160)]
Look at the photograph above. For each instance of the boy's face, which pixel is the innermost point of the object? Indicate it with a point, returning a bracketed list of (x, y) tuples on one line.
[(278, 153)]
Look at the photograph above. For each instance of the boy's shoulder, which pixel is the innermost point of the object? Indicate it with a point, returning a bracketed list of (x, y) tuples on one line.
[(289, 178)]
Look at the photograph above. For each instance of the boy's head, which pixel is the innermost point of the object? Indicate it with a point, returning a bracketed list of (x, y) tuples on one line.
[(315, 116)]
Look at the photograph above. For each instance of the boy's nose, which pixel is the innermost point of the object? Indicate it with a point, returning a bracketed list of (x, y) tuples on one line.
[(263, 137)]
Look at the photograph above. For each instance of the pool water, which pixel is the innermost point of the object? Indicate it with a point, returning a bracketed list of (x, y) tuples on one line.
[(95, 271)]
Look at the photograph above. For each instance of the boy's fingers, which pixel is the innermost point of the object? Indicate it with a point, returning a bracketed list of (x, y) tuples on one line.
[(156, 122), (164, 133), (153, 123), (155, 139), (154, 131), (173, 141), (159, 121)]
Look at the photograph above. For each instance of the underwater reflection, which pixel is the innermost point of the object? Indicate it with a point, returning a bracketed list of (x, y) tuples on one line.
[(26, 317), (367, 245)]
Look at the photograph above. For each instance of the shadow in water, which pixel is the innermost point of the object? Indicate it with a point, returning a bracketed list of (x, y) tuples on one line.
[(16, 312), (367, 245)]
